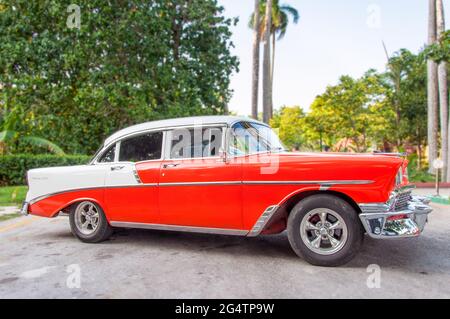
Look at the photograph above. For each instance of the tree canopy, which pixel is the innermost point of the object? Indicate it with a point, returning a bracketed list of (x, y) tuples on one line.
[(378, 111), (128, 62)]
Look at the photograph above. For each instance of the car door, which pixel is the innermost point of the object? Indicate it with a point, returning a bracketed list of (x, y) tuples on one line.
[(131, 182), (198, 187)]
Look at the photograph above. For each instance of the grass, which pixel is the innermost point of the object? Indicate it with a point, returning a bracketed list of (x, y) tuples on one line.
[(12, 195), (8, 216)]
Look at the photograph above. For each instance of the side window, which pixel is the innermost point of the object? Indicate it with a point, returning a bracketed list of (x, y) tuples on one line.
[(141, 148), (109, 155), (251, 138), (244, 140), (196, 143)]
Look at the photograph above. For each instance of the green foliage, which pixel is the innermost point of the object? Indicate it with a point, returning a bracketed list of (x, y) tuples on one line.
[(280, 18), (420, 175), (12, 195), (379, 111), (14, 167), (407, 80), (129, 62), (354, 110), (11, 141), (440, 52), (290, 124)]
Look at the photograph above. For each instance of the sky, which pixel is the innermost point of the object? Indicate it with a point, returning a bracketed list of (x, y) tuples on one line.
[(332, 38)]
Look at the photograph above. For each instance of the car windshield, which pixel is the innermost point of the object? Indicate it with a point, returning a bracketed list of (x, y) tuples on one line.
[(250, 138)]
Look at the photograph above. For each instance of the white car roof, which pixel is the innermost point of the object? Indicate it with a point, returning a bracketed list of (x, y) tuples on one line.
[(185, 121)]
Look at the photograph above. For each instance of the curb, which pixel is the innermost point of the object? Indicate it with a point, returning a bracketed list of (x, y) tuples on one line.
[(431, 185), (440, 200)]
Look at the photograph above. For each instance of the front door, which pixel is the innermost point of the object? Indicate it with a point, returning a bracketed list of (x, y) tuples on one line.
[(197, 187), (131, 181)]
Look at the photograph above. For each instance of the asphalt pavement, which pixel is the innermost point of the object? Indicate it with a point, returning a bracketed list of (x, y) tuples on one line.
[(40, 258)]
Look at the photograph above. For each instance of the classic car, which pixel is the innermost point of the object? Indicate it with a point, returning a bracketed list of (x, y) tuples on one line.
[(231, 176)]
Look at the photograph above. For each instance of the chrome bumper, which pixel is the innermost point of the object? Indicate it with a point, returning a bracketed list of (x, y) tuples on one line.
[(384, 221), (24, 209)]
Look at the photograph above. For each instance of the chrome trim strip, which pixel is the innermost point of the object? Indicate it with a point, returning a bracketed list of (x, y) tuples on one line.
[(324, 183), (200, 183), (37, 199), (189, 229), (263, 220), (136, 175)]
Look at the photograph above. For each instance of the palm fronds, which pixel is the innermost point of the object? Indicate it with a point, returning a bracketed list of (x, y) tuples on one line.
[(9, 136)]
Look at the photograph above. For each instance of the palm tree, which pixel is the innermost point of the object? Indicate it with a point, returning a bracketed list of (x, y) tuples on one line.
[(267, 93), (443, 92), (8, 137), (432, 89), (279, 21), (255, 74)]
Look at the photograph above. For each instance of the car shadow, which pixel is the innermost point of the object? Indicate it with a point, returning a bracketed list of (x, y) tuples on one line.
[(422, 255)]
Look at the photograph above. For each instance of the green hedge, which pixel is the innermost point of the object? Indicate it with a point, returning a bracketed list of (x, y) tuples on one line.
[(14, 167)]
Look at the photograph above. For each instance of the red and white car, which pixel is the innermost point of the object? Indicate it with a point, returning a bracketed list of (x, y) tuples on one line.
[(230, 175)]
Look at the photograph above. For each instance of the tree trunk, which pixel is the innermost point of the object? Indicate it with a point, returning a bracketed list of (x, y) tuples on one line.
[(267, 94), (443, 94), (255, 73), (432, 91), (272, 67)]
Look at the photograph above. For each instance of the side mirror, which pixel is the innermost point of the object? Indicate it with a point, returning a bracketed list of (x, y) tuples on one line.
[(223, 154)]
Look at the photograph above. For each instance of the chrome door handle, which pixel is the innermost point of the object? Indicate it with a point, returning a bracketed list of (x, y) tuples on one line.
[(117, 168), (170, 165)]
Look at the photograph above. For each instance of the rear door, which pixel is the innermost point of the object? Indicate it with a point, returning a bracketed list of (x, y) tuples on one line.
[(131, 181)]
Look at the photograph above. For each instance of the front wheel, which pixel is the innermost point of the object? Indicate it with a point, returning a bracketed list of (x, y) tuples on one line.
[(325, 230), (88, 222)]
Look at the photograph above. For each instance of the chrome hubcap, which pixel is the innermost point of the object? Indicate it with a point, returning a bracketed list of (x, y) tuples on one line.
[(323, 231), (86, 218)]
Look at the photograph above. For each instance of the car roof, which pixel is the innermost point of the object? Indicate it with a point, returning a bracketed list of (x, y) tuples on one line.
[(179, 122)]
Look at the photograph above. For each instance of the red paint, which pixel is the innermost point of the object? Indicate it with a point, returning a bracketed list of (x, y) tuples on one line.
[(237, 205)]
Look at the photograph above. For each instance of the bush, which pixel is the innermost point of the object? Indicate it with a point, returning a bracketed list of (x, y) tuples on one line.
[(14, 167)]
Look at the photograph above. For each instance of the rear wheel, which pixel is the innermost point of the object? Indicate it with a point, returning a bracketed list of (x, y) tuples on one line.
[(325, 230), (88, 222)]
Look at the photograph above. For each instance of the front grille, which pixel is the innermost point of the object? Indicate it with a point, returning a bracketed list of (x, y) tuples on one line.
[(401, 201)]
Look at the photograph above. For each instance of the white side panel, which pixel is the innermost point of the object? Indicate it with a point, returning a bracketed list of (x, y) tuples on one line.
[(121, 174), (46, 181)]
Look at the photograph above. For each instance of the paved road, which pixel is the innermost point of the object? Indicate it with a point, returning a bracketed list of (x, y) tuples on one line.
[(37, 257)]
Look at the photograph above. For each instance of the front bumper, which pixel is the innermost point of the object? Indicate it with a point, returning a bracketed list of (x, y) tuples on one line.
[(388, 221)]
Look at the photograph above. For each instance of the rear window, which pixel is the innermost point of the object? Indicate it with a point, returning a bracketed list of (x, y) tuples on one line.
[(109, 155), (141, 148)]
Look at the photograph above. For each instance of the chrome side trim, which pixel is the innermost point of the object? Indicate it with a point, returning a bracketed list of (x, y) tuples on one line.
[(37, 199), (324, 183), (201, 183), (189, 229), (263, 220), (136, 175)]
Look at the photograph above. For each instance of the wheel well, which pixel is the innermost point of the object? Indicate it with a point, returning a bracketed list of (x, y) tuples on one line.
[(279, 221), (68, 209), (291, 202)]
